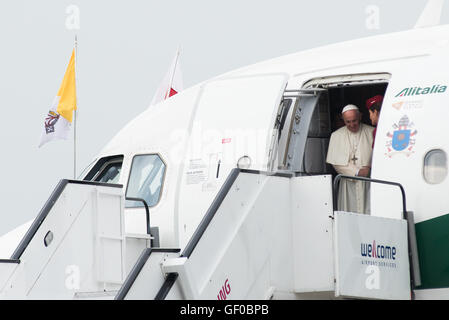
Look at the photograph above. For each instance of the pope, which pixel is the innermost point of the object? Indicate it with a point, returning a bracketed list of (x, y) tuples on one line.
[(350, 151)]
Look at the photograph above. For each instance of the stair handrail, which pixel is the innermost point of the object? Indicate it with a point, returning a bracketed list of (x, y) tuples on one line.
[(342, 176), (147, 211)]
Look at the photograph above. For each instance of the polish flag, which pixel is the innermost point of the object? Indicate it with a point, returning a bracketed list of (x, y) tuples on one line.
[(172, 83)]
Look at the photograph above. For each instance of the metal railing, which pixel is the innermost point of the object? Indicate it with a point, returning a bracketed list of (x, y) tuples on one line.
[(147, 211), (340, 176), (415, 278)]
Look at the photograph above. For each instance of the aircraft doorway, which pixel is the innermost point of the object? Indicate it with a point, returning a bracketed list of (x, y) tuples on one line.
[(314, 112), (357, 95)]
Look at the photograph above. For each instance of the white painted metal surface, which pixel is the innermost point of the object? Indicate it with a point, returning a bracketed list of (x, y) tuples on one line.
[(371, 257), (225, 260), (425, 115), (87, 250), (225, 264), (135, 244), (6, 270), (311, 198), (150, 278), (233, 117)]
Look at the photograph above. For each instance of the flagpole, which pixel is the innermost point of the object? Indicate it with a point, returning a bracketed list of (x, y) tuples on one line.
[(173, 73), (74, 115)]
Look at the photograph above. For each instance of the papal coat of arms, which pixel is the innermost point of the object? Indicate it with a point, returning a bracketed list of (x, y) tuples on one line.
[(50, 121), (403, 138)]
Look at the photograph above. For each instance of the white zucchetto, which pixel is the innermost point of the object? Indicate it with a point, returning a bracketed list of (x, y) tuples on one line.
[(349, 107)]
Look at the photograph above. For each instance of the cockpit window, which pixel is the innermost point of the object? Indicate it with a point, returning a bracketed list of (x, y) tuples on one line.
[(110, 173), (106, 170), (145, 180)]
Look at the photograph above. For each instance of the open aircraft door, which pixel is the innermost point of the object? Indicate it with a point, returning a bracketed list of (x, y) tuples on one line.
[(409, 136), (413, 116), (233, 121), (410, 125)]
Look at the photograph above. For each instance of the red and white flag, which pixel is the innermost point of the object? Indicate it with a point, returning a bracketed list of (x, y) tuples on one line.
[(172, 83)]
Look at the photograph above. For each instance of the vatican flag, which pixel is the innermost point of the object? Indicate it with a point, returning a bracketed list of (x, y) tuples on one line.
[(59, 118)]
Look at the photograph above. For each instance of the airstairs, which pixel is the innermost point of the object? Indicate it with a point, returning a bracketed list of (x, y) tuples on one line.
[(264, 236), (75, 248)]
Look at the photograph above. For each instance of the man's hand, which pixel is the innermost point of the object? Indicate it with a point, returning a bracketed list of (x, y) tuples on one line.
[(364, 172)]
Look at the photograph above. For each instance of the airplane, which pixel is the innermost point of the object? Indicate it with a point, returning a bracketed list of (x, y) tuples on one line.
[(222, 191)]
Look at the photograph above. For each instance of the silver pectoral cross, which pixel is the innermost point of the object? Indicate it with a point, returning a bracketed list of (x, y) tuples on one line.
[(354, 159)]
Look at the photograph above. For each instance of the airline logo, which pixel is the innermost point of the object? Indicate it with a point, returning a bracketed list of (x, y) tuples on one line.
[(415, 91)]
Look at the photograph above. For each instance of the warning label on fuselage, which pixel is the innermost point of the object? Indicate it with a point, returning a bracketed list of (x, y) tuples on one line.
[(196, 172)]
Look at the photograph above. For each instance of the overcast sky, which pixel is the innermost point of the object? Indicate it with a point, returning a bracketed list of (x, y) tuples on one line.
[(124, 50)]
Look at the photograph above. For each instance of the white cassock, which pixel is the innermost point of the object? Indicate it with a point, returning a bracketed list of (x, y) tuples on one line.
[(348, 152)]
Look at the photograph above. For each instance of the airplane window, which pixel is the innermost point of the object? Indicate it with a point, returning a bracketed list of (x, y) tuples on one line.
[(106, 170), (435, 166), (145, 180), (110, 174)]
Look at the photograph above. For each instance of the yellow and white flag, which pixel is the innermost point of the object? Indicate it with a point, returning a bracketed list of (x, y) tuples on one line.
[(59, 119)]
